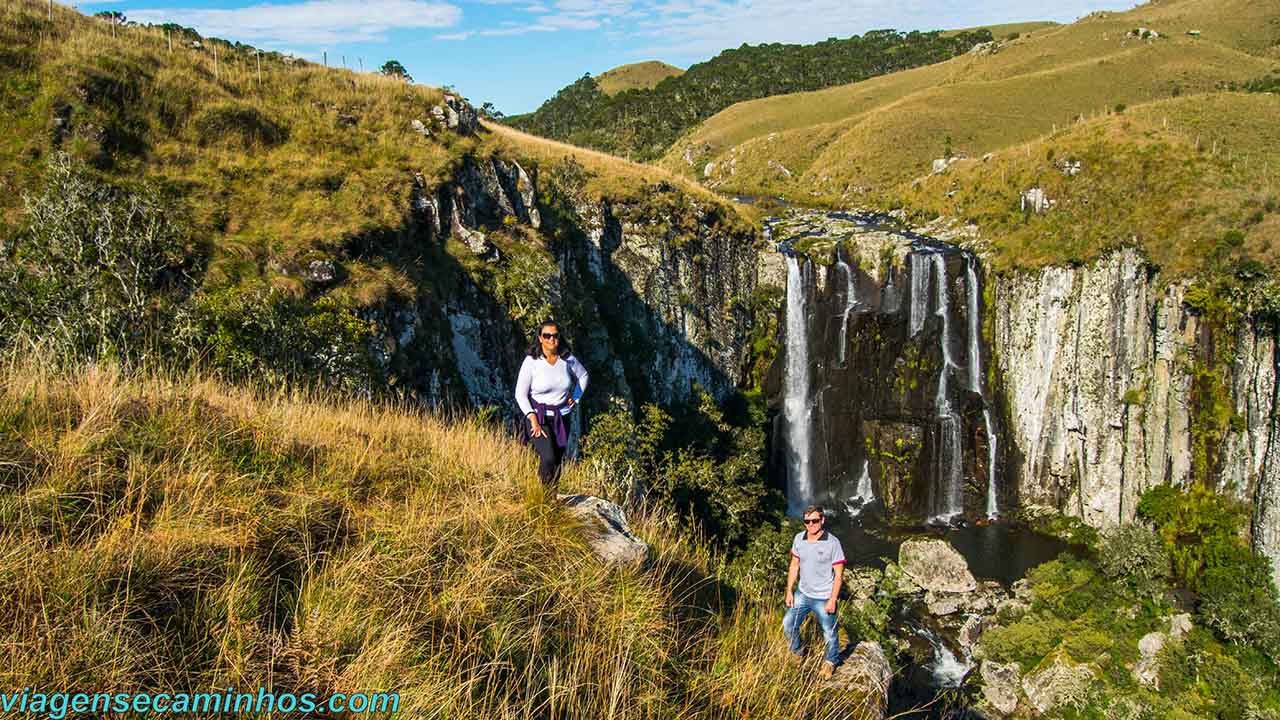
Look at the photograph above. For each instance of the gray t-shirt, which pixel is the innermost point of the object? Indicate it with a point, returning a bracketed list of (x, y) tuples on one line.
[(818, 560)]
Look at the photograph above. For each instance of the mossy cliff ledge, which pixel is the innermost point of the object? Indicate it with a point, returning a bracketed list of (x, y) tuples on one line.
[(942, 387)]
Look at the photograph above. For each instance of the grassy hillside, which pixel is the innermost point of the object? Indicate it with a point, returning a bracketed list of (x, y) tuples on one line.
[(1192, 181), (1007, 30), (169, 533), (301, 210), (833, 144), (643, 123), (635, 76)]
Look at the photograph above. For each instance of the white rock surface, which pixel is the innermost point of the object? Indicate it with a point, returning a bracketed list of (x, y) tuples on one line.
[(936, 566), (608, 533), (1001, 685)]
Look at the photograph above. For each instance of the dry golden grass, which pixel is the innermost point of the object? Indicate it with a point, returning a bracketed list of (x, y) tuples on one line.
[(838, 143), (1170, 177), (611, 175), (166, 532), (635, 76)]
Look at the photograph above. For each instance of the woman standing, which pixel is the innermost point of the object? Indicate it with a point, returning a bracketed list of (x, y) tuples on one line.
[(551, 382)]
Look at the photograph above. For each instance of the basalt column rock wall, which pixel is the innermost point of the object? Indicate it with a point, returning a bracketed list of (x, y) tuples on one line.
[(1106, 374)]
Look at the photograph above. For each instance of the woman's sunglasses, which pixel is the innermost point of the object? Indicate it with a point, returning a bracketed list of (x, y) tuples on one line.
[(550, 336)]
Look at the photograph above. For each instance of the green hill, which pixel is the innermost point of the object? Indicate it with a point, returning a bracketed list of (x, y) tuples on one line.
[(875, 142), (832, 143), (643, 123), (635, 76), (308, 221)]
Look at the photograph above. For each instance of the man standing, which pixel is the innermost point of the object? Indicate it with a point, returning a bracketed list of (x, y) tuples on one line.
[(818, 561)]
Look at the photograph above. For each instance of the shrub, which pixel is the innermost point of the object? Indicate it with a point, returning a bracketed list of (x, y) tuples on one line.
[(1134, 555), (269, 336), (693, 462), (760, 570), (97, 270), (1200, 529), (1239, 601)]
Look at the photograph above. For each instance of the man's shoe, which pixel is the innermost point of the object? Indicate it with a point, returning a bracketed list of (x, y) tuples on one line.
[(795, 659), (827, 669)]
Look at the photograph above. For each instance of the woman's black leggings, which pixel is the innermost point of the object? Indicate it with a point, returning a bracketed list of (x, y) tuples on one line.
[(549, 456)]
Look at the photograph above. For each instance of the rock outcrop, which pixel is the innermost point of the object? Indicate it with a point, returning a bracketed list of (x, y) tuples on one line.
[(1058, 682), (866, 671), (656, 287), (1075, 388), (1001, 685), (608, 534), (1099, 365), (936, 566)]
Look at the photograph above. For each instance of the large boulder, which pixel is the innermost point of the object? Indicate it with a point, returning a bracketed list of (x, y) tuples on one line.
[(608, 534), (1058, 681), (1000, 685), (866, 671), (1147, 671), (936, 566)]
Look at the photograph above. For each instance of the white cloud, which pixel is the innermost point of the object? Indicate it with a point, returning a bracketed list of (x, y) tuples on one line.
[(315, 22)]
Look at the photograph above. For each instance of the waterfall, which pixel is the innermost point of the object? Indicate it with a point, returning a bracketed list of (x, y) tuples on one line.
[(863, 493), (795, 405), (850, 300), (949, 455), (919, 291), (975, 384), (947, 669)]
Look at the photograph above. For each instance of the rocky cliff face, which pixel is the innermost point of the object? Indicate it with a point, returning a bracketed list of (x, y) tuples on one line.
[(654, 300), (1082, 386), (1113, 385)]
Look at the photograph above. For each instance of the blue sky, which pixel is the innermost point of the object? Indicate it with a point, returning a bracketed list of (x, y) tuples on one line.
[(516, 53)]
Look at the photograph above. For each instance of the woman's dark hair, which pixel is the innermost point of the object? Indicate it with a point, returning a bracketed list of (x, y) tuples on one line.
[(535, 350)]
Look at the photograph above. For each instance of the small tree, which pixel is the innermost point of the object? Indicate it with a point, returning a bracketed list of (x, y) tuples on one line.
[(393, 68), (488, 111), (114, 17)]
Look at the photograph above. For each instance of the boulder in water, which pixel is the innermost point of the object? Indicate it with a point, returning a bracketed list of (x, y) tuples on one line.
[(608, 533), (936, 566), (867, 671)]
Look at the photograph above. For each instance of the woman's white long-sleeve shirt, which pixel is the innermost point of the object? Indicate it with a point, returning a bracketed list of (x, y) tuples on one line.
[(542, 382)]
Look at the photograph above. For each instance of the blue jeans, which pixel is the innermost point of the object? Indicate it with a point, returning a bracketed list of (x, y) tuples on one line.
[(803, 605)]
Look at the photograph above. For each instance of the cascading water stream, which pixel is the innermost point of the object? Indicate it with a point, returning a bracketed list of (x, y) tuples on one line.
[(975, 384), (919, 272), (947, 668), (850, 301), (949, 498), (795, 404)]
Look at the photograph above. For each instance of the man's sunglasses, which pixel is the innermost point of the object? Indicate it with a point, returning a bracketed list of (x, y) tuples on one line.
[(550, 336), (813, 521)]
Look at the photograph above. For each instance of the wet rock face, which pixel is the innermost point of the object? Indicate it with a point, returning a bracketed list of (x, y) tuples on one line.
[(1079, 393), (896, 360)]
